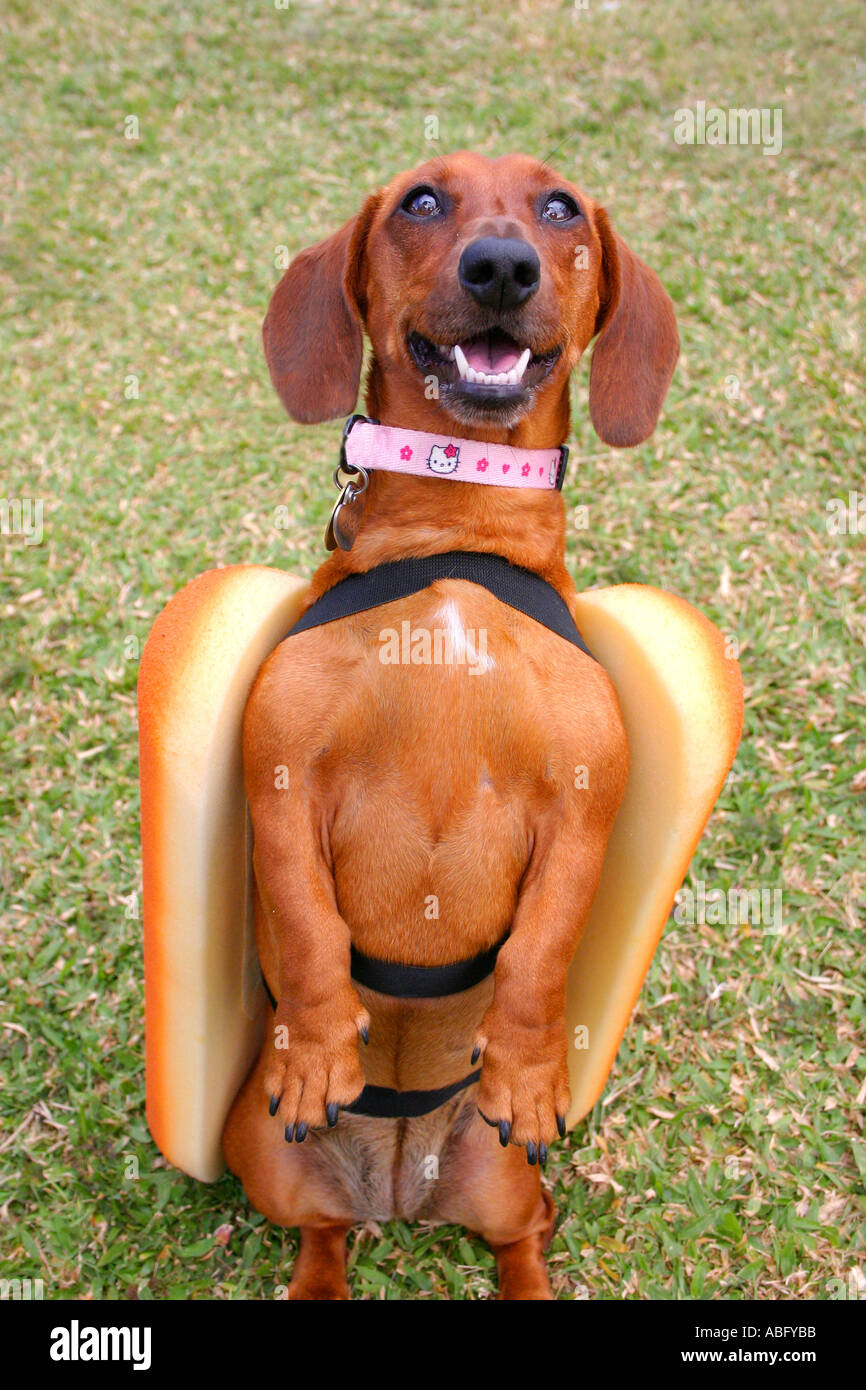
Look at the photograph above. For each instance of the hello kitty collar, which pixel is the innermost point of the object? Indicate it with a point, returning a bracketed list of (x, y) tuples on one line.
[(368, 445)]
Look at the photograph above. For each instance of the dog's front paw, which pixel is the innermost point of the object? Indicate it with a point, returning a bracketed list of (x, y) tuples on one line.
[(524, 1082), (314, 1067)]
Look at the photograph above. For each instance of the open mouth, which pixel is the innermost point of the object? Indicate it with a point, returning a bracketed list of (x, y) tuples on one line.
[(490, 366)]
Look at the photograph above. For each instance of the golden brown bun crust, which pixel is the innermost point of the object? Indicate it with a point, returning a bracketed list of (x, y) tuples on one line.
[(200, 640), (681, 698)]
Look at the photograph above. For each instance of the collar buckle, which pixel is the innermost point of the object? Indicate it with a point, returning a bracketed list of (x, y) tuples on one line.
[(563, 464), (344, 466)]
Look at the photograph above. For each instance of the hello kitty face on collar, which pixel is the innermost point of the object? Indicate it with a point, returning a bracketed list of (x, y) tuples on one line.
[(443, 458)]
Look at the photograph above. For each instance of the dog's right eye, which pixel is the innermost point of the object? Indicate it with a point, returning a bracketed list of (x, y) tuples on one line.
[(560, 207), (421, 202)]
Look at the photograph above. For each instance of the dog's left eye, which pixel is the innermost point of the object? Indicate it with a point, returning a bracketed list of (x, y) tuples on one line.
[(421, 202), (560, 208)]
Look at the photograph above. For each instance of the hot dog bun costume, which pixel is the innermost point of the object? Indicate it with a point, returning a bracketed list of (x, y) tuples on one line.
[(681, 699)]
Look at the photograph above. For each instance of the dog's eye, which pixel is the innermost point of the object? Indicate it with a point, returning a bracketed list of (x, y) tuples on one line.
[(421, 202), (560, 208)]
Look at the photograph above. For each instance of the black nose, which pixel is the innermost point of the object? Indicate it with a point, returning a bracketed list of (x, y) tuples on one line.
[(499, 271)]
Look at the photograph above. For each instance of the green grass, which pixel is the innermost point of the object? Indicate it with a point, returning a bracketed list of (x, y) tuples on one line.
[(727, 1159)]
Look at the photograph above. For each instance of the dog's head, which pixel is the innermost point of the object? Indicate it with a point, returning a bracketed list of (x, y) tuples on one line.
[(480, 283)]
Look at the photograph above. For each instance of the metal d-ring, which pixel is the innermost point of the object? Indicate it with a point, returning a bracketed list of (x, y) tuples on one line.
[(351, 489)]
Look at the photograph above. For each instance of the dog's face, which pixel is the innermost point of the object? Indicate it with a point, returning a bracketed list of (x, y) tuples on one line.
[(480, 283), (481, 280)]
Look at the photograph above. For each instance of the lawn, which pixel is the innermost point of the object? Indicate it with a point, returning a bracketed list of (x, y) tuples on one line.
[(155, 160)]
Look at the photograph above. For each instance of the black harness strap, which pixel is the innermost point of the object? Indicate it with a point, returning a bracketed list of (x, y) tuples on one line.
[(512, 584), (423, 981), (384, 1104), (416, 981)]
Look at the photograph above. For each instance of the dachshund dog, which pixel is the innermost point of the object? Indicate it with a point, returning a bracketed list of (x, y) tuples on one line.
[(429, 811)]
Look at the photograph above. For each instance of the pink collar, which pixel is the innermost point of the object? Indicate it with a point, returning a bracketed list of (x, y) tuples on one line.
[(371, 446)]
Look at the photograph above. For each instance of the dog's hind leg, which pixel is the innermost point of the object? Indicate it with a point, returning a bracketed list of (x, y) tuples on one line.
[(290, 1185), (521, 1265), (494, 1191), (320, 1265)]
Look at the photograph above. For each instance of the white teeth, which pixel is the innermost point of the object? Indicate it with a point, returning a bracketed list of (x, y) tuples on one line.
[(521, 364), (467, 373), (463, 366)]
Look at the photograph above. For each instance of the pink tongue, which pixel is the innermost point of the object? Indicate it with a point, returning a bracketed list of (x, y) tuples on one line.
[(491, 356)]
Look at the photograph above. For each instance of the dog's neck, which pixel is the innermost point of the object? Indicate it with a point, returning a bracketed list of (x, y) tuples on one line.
[(405, 515)]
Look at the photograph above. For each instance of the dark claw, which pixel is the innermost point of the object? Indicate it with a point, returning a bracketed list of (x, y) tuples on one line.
[(560, 1125), (288, 1132), (531, 1154), (504, 1132), (476, 1053), (492, 1123), (331, 1114), (301, 1134), (365, 1035), (274, 1104), (542, 1154)]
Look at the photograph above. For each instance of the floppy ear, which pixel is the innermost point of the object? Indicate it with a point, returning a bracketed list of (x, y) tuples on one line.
[(634, 357), (312, 331)]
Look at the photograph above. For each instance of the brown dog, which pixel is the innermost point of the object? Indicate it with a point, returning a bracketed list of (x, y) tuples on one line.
[(411, 785)]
